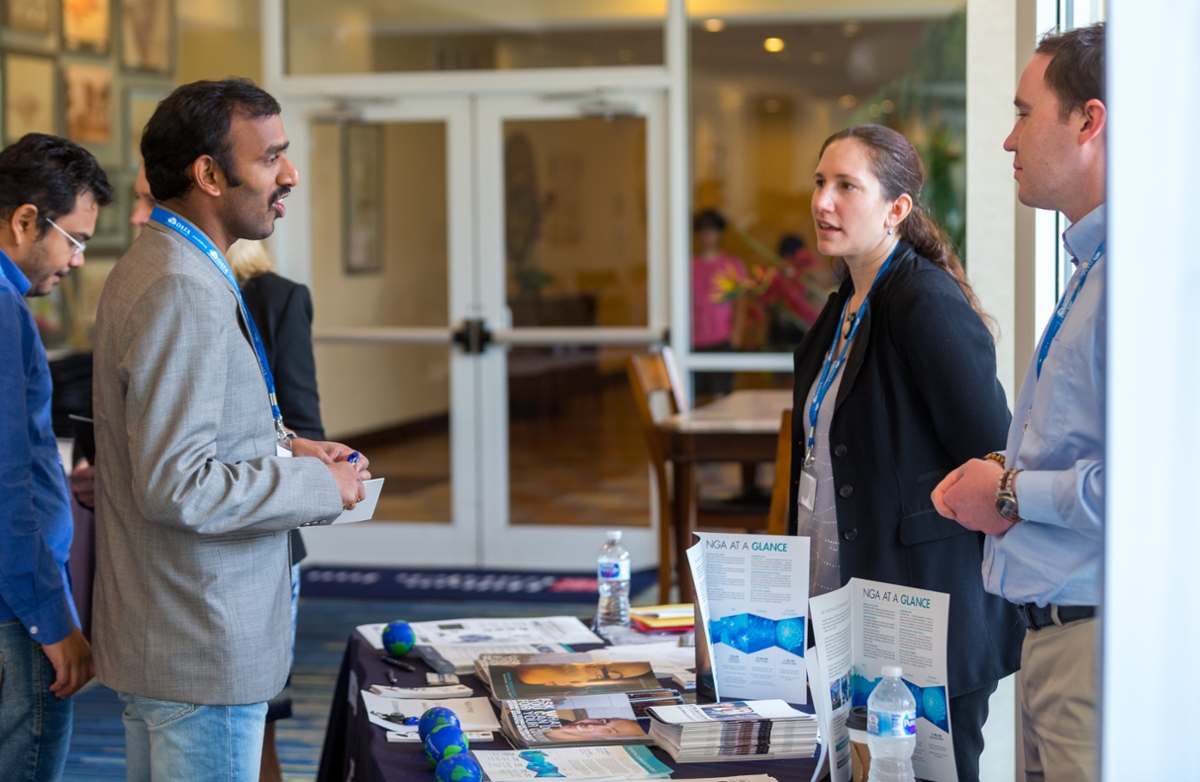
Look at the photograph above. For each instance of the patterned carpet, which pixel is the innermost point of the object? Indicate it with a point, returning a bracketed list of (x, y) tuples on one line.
[(98, 741)]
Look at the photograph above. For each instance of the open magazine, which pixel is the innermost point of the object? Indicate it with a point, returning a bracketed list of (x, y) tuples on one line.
[(751, 610), (577, 720), (534, 680), (595, 764), (859, 629)]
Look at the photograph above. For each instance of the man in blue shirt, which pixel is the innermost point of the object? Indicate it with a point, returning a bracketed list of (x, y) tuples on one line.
[(51, 191), (1044, 515)]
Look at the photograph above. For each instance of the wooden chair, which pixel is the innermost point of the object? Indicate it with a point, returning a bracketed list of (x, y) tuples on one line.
[(777, 517), (651, 374)]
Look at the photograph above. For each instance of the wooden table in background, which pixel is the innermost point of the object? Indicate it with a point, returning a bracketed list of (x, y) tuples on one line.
[(741, 427)]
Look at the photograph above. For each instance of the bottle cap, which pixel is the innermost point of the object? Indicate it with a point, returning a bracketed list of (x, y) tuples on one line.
[(614, 534), (892, 671)]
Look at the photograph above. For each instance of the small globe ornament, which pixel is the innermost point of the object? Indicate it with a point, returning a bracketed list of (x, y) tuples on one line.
[(445, 741), (435, 718), (398, 638), (458, 768)]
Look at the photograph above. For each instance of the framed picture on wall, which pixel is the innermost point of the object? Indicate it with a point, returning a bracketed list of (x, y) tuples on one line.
[(112, 224), (362, 198), (89, 103), (146, 35), (140, 103), (86, 25), (29, 16), (30, 95)]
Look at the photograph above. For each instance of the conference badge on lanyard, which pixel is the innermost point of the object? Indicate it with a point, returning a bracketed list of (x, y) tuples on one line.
[(807, 495), (185, 229)]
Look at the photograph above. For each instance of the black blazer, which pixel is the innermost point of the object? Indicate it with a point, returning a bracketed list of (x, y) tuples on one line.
[(919, 397), (283, 312)]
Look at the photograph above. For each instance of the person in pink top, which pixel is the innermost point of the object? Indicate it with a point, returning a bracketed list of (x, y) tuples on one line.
[(712, 319)]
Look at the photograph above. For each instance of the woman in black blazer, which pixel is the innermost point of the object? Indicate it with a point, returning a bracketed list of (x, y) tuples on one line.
[(914, 395)]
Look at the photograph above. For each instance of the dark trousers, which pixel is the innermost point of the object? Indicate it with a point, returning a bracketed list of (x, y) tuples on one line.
[(968, 712)]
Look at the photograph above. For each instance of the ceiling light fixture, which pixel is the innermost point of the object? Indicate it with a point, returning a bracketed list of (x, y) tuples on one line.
[(714, 25), (773, 45)]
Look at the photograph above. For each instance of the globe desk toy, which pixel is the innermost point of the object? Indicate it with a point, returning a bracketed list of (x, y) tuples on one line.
[(398, 638), (458, 768), (435, 718), (445, 741)]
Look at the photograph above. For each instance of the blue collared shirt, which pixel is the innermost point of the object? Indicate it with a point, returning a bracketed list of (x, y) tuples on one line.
[(1057, 440), (35, 510)]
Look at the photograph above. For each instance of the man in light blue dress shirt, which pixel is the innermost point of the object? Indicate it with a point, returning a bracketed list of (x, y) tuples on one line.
[(1044, 514)]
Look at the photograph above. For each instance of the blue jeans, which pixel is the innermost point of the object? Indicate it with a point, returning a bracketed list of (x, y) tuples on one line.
[(167, 741), (35, 724)]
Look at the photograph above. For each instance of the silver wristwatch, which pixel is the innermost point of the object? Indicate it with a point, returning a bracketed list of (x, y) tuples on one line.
[(1006, 496)]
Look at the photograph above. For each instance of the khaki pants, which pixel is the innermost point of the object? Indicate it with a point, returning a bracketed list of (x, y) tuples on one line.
[(1058, 705)]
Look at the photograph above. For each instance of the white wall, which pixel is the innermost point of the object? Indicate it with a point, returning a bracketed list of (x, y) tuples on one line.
[(1151, 625), (992, 55)]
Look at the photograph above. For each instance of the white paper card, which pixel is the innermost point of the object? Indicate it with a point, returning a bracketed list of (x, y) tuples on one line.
[(364, 510)]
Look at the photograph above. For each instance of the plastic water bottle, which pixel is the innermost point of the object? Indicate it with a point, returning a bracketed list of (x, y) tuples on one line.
[(612, 575), (891, 728)]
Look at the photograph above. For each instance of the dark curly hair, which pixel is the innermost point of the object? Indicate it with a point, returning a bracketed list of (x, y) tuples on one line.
[(193, 121), (51, 173), (897, 166)]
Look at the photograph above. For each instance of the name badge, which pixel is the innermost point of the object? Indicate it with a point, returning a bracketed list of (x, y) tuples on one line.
[(808, 490), (281, 449)]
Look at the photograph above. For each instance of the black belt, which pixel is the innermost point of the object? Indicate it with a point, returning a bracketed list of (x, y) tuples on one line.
[(1035, 617)]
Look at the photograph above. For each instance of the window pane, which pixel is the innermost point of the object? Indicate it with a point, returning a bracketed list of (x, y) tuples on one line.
[(380, 259), (364, 36), (765, 95), (575, 244)]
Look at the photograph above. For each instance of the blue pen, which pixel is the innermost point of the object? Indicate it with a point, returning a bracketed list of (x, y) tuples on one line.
[(353, 458)]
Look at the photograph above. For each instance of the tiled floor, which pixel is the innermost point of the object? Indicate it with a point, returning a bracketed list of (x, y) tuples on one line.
[(98, 741), (585, 463)]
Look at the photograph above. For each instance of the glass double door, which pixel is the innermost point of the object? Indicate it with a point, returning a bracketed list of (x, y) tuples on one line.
[(481, 267)]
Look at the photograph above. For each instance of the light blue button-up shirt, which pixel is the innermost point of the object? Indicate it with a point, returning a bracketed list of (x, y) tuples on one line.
[(1057, 440)]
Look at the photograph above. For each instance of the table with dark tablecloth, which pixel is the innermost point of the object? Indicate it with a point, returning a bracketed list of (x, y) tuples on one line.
[(357, 751)]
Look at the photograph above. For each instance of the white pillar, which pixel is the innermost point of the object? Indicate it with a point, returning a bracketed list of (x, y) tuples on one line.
[(1151, 619), (993, 52)]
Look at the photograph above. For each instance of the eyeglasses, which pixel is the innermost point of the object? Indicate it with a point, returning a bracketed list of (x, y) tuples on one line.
[(79, 246)]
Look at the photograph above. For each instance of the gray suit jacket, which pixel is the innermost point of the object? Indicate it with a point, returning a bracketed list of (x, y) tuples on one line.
[(193, 595)]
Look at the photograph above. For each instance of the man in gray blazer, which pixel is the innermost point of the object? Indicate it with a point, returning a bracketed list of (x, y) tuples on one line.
[(192, 618)]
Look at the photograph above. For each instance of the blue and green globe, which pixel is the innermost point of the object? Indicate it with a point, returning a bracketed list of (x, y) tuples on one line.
[(458, 768), (436, 718), (398, 638), (445, 741)]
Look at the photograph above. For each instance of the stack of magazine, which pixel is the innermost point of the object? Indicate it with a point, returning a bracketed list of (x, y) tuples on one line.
[(556, 700), (740, 730), (580, 720)]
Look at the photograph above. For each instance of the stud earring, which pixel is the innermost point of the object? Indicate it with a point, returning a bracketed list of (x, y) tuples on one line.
[(889, 232)]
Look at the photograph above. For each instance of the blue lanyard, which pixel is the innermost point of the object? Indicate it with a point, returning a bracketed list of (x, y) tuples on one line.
[(830, 369), (1064, 307), (187, 231)]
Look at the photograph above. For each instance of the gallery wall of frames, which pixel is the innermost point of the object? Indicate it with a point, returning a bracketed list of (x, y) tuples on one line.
[(92, 71)]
